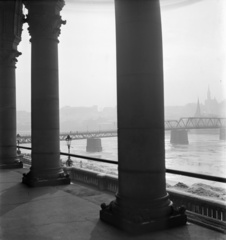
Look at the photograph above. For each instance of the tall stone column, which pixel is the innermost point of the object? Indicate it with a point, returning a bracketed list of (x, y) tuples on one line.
[(44, 26), (142, 203), (11, 20)]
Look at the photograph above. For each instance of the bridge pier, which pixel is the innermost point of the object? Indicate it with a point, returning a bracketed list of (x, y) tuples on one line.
[(222, 134), (179, 136), (93, 145)]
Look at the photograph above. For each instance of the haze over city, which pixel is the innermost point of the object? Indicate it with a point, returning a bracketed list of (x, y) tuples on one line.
[(193, 47)]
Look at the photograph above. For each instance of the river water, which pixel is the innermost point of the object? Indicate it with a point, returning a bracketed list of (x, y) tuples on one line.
[(204, 154)]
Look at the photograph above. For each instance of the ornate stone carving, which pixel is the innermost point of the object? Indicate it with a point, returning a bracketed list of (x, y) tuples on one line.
[(44, 19), (11, 22), (44, 26), (8, 56), (33, 181), (139, 215)]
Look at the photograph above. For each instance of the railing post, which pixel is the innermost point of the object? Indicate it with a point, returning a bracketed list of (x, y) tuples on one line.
[(102, 184)]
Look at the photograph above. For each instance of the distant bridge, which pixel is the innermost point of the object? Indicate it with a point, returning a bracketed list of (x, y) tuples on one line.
[(93, 134), (196, 123), (79, 135), (183, 123)]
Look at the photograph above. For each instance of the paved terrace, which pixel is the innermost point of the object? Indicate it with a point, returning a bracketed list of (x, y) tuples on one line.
[(69, 212)]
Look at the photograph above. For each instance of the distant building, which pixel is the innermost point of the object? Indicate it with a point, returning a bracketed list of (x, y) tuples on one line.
[(198, 110), (211, 107)]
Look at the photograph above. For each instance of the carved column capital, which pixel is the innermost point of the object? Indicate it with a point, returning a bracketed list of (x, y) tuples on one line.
[(9, 56), (44, 18), (11, 22)]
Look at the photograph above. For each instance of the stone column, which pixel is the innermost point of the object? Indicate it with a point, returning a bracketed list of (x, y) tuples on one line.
[(11, 19), (44, 26), (142, 203)]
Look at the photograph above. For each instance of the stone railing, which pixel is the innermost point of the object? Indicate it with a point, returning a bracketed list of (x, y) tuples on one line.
[(102, 181), (214, 208), (207, 212)]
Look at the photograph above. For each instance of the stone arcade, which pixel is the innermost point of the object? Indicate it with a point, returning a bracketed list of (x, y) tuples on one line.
[(142, 203)]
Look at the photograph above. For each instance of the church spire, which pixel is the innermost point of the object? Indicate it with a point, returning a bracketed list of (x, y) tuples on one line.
[(198, 110), (208, 94)]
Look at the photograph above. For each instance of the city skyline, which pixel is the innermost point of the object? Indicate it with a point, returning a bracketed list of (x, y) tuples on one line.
[(194, 55)]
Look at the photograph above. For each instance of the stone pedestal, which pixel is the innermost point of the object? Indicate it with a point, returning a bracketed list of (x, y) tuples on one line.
[(94, 145), (11, 20), (179, 136), (44, 26), (142, 203)]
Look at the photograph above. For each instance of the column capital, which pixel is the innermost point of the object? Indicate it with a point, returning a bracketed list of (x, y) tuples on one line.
[(44, 18), (11, 19), (8, 56)]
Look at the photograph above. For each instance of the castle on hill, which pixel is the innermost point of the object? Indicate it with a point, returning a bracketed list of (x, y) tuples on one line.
[(210, 108)]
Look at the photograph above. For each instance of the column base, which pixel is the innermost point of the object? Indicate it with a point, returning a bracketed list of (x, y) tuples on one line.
[(176, 219), (16, 164), (38, 182)]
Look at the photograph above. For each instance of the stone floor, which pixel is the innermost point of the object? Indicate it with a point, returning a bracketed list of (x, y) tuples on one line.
[(68, 212)]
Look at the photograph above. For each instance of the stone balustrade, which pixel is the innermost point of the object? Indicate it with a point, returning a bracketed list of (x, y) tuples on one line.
[(211, 213)]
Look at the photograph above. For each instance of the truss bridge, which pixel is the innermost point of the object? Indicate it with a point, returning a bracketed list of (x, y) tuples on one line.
[(93, 134), (195, 123), (181, 124)]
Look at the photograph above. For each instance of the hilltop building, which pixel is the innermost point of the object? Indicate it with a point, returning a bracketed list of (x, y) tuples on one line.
[(210, 108)]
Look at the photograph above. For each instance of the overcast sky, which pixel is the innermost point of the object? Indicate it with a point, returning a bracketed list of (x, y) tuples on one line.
[(193, 44)]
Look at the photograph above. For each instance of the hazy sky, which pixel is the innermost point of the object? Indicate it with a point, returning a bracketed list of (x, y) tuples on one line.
[(193, 45)]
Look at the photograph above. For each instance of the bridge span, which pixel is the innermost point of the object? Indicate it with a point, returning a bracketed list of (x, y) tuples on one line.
[(196, 123), (170, 125)]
